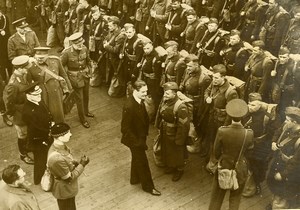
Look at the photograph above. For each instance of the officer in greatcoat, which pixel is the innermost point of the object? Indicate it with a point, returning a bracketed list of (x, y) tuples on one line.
[(23, 41), (174, 128), (53, 80), (231, 143), (76, 60)]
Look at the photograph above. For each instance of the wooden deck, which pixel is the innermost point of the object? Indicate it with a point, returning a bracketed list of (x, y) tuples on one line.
[(106, 184)]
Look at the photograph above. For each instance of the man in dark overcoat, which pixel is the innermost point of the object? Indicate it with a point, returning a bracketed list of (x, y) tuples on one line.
[(230, 145), (134, 128), (38, 119)]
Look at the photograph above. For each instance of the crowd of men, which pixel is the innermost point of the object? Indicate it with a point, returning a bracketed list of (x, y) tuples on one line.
[(200, 53)]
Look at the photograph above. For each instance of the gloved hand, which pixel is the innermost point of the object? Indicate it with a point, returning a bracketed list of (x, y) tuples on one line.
[(84, 160)]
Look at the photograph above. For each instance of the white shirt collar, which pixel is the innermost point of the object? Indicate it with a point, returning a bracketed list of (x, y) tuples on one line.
[(136, 98)]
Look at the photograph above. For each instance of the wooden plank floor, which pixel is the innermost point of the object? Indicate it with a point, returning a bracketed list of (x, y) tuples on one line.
[(106, 184)]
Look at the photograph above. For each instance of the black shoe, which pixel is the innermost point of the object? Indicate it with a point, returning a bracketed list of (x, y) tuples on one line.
[(258, 190), (86, 124), (155, 192), (177, 176), (7, 121), (27, 159), (90, 115)]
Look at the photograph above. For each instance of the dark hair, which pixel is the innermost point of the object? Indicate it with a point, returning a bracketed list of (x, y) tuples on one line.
[(137, 85), (220, 68), (10, 174)]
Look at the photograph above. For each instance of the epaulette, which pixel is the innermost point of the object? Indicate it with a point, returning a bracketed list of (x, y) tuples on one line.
[(64, 50), (54, 57)]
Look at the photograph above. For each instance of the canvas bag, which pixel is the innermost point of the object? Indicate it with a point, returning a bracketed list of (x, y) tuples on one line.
[(227, 177), (48, 178)]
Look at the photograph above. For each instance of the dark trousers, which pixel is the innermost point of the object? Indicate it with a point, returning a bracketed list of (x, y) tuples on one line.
[(140, 171), (217, 196), (83, 101), (40, 153), (66, 204)]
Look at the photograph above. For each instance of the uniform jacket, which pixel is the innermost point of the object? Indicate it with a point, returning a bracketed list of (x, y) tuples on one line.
[(62, 166), (292, 38), (134, 124), (115, 40), (16, 45), (220, 97), (152, 64), (52, 92), (177, 20), (77, 64), (179, 132), (276, 26), (175, 68), (16, 97), (228, 144), (13, 198), (259, 81), (235, 58), (157, 25)]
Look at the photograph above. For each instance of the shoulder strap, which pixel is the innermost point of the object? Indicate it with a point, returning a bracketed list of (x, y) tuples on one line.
[(176, 106), (230, 88), (241, 149), (55, 76)]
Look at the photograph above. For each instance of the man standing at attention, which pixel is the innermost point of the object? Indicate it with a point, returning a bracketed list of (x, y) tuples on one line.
[(134, 128)]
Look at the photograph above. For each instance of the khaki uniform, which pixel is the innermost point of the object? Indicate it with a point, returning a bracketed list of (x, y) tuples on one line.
[(17, 46), (174, 70), (78, 65)]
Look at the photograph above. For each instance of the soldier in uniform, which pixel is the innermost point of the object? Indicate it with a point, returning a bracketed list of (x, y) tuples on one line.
[(23, 41), (38, 119), (16, 9), (175, 21), (283, 176), (155, 26), (83, 20), (77, 62), (235, 56), (174, 129), (292, 38), (217, 96), (150, 67), (174, 65), (191, 29), (194, 84), (285, 81), (58, 20), (15, 102), (210, 44), (53, 80), (113, 44), (230, 146), (275, 27), (71, 23), (260, 66), (132, 54)]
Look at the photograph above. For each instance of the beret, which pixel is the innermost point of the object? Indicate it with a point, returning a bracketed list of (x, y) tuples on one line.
[(32, 89), (59, 129), (213, 20), (293, 112), (237, 108)]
